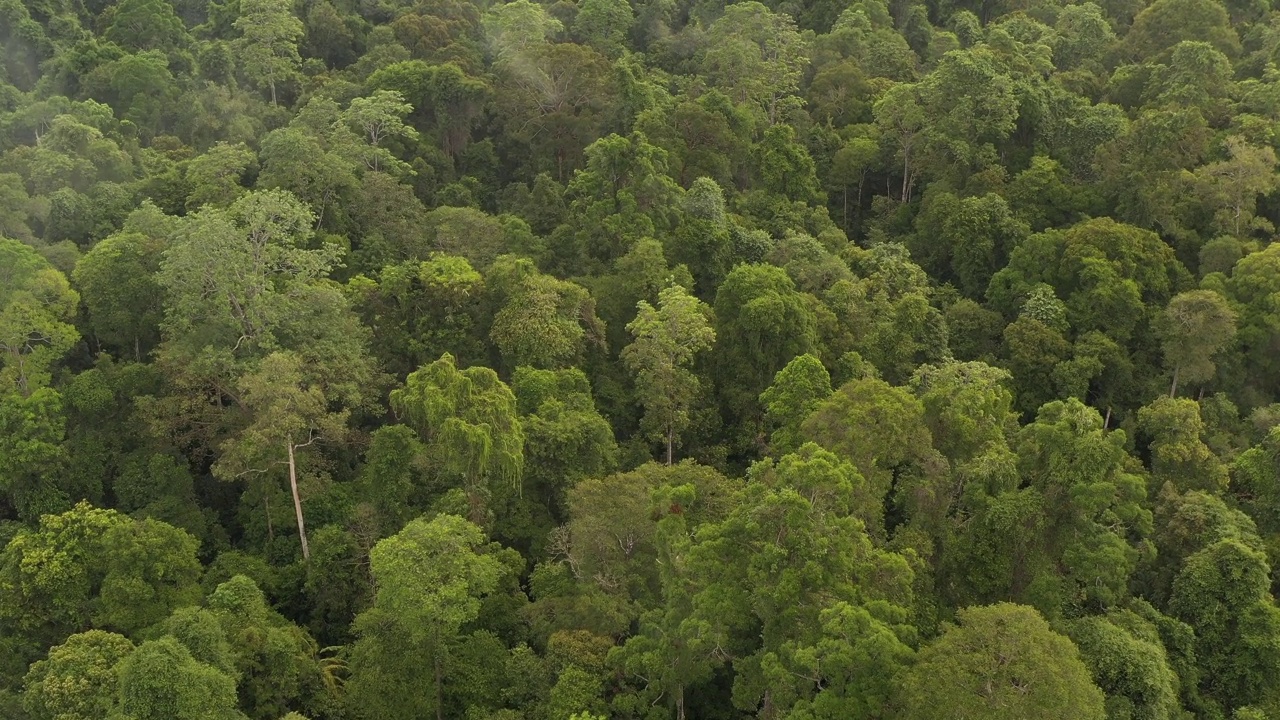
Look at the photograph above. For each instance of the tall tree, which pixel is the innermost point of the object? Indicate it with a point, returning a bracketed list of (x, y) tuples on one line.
[(269, 41), (513, 27), (430, 577), (289, 412), (318, 165), (380, 117), (553, 96), (162, 681), (1165, 23), (968, 239), (1178, 452), (77, 681), (670, 650), (1092, 493), (234, 277), (543, 322), (762, 322), (36, 303), (902, 120), (146, 25), (276, 663), (243, 284), (604, 24), (93, 568), (796, 391), (610, 544), (216, 176), (36, 307), (33, 454), (971, 105), (419, 310), (1124, 652), (469, 420), (666, 341), (1195, 326), (1001, 661), (757, 56), (445, 100), (566, 439), (1110, 275), (1252, 287), (1223, 592), (1232, 187), (785, 574), (877, 427), (117, 279)]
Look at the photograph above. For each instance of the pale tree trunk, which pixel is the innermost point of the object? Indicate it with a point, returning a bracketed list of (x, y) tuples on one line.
[(680, 702), (906, 178), (1173, 389), (297, 501), (671, 441)]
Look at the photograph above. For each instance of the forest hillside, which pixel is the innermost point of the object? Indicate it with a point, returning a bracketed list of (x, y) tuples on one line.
[(639, 360)]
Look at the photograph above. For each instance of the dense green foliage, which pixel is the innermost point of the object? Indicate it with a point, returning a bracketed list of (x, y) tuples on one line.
[(639, 359)]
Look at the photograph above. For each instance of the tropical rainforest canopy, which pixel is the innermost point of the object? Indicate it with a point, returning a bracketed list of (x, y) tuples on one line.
[(639, 359)]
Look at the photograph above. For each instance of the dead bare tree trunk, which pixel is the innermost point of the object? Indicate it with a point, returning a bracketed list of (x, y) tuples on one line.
[(297, 500)]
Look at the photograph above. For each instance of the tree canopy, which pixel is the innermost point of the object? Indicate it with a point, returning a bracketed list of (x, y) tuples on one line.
[(639, 359)]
